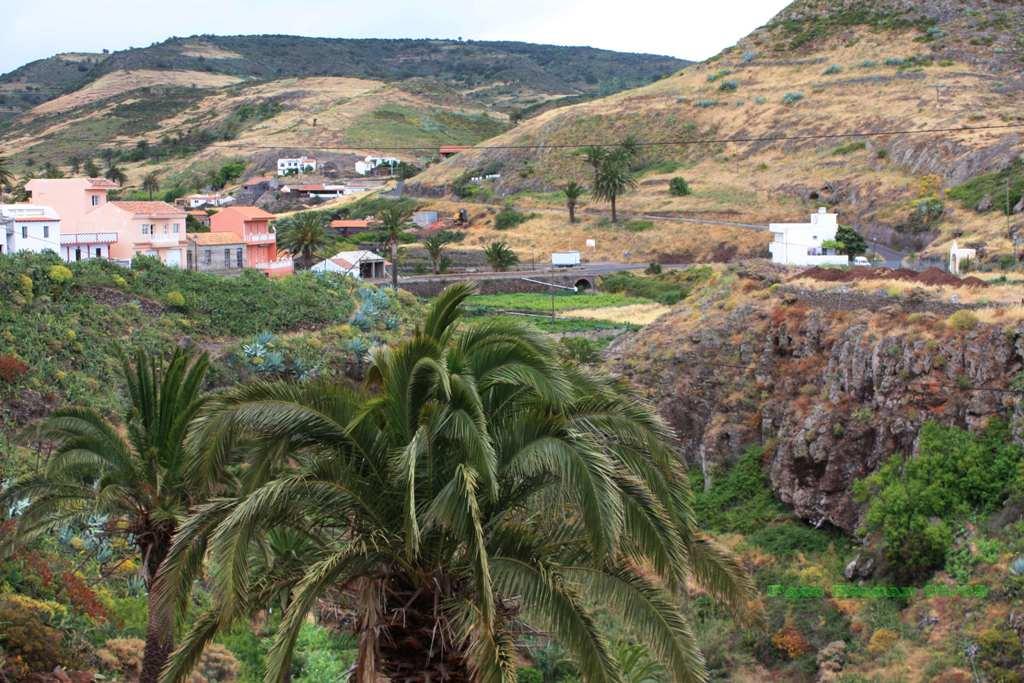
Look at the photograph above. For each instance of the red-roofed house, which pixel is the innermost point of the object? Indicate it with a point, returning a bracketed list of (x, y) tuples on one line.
[(362, 265), (253, 225), (446, 151), (349, 226)]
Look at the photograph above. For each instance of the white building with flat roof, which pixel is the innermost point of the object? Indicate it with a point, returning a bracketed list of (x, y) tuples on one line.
[(362, 265), (371, 163), (802, 244), (29, 227), (301, 164)]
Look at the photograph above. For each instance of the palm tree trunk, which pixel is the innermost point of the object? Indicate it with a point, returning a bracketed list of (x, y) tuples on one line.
[(572, 213), (394, 264), (615, 217), (160, 623)]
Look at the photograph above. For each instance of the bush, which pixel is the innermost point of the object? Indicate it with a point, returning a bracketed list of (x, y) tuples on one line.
[(509, 217), (580, 350), (785, 540), (176, 299), (915, 502), (832, 70), (792, 98), (882, 641), (665, 288), (678, 187), (12, 368), (739, 500), (529, 675), (963, 321), (28, 641), (729, 86), (849, 148), (59, 274), (653, 268), (1000, 654), (638, 225), (122, 656)]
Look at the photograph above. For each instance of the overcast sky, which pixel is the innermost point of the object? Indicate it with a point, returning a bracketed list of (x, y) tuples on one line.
[(690, 29)]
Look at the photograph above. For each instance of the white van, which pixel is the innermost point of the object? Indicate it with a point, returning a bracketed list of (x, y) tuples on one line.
[(861, 261)]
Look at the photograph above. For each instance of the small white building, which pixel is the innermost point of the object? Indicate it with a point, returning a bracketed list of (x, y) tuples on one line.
[(29, 227), (196, 201), (370, 163), (301, 164), (960, 257), (801, 244), (362, 265)]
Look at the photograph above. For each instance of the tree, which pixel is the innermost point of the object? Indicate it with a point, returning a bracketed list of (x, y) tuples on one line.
[(116, 175), (134, 472), (75, 164), (476, 488), (151, 183), (573, 191), (393, 220), (499, 256), (613, 174), (435, 245), (305, 237), (50, 170), (853, 242), (6, 176), (90, 168)]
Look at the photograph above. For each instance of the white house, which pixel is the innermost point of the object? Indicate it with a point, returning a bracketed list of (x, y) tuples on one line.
[(363, 265), (301, 164), (195, 201), (801, 244), (29, 227), (370, 163), (959, 257)]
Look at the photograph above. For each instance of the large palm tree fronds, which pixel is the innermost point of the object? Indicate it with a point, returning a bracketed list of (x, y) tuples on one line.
[(474, 486)]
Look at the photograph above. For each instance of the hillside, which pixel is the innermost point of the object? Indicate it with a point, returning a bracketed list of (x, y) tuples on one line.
[(817, 69), (505, 74)]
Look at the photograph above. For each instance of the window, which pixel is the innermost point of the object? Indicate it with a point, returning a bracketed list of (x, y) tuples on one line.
[(99, 252), (177, 228), (207, 256), (166, 229), (24, 232), (147, 229), (46, 231), (227, 258), (95, 200), (238, 257)]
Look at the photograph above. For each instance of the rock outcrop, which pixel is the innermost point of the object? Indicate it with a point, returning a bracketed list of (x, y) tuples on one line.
[(832, 385)]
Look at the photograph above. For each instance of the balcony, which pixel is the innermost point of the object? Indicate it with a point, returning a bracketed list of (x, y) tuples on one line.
[(281, 264), (89, 238), (161, 238), (261, 237)]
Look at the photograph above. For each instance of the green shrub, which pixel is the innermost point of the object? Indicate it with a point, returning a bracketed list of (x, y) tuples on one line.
[(962, 321), (729, 86), (28, 640), (792, 98), (509, 217), (849, 148), (993, 185), (705, 104), (638, 225), (665, 288), (678, 187), (59, 274), (1000, 654), (739, 499), (832, 70), (915, 502), (529, 675), (580, 350), (785, 540), (175, 299)]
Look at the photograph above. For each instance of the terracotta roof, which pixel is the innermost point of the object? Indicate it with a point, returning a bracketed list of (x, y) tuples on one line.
[(350, 223), (451, 149), (149, 208), (33, 219), (249, 213), (209, 239), (102, 182), (342, 262)]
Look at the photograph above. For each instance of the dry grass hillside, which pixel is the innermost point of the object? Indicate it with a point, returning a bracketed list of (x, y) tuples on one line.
[(850, 67)]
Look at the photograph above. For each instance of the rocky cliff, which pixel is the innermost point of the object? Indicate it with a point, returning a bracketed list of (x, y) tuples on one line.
[(832, 382)]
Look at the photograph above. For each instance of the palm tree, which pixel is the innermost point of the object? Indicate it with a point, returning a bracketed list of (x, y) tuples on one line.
[(393, 220), (435, 245), (499, 256), (573, 191), (305, 237), (6, 176), (612, 178), (151, 183), (115, 174), (135, 473), (475, 488)]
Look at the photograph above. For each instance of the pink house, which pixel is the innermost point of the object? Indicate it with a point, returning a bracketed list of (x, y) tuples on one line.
[(93, 227), (252, 225), (72, 199)]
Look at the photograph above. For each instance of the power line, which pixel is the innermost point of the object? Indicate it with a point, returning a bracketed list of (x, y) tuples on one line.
[(348, 146)]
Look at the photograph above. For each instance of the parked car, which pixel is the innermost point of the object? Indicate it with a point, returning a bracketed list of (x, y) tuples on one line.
[(861, 261)]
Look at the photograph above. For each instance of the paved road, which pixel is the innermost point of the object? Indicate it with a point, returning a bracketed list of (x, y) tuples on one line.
[(584, 270)]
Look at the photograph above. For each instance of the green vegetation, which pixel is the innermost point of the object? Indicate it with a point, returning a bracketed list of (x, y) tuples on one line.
[(542, 302), (613, 171), (573, 191), (678, 187), (729, 86), (500, 256), (665, 288), (832, 70), (424, 127), (792, 98), (817, 28), (849, 148), (992, 186), (509, 217), (916, 503), (638, 225)]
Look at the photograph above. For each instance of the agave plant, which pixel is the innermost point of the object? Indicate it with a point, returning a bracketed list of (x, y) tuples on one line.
[(475, 488)]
